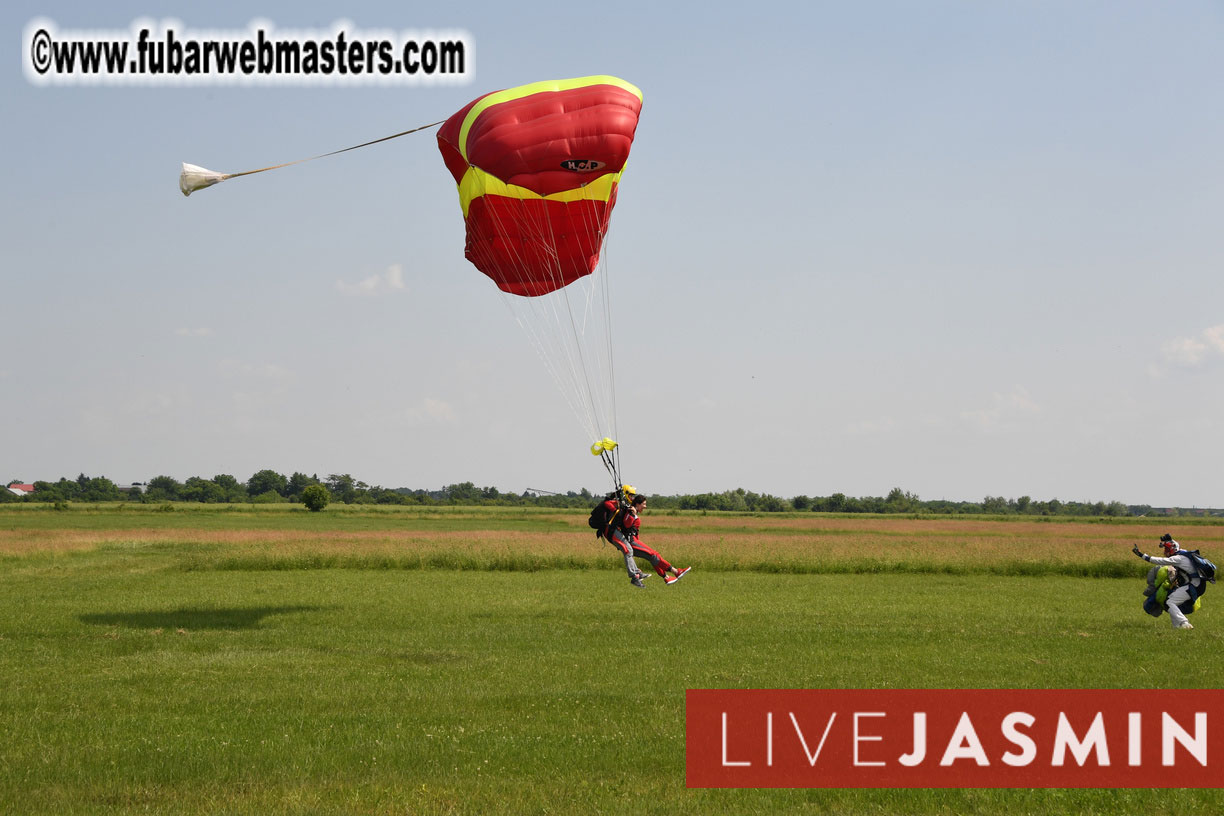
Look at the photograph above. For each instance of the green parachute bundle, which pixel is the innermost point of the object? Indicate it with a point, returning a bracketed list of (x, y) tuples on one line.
[(1160, 582)]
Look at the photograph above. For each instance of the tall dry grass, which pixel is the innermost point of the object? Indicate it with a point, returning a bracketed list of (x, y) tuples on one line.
[(558, 540)]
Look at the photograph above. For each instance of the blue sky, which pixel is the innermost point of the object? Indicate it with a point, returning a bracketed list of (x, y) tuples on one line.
[(960, 248)]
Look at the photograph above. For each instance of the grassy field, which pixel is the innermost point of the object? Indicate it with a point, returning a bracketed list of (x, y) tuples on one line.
[(452, 660)]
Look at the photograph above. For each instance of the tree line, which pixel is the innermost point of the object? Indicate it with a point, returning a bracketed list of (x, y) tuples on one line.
[(273, 487), (900, 501), (269, 486)]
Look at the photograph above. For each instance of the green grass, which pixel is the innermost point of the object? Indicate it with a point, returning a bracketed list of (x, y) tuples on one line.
[(162, 678)]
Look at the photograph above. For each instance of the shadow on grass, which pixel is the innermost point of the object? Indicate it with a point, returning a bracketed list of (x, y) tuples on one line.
[(243, 617)]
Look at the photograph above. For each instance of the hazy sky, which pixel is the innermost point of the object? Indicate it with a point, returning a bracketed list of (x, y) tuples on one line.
[(961, 248)]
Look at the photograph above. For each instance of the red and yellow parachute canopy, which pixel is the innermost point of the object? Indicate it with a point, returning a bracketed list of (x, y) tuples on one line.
[(538, 168)]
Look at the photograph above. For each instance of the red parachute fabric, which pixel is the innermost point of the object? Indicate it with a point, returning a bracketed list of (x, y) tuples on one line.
[(538, 169)]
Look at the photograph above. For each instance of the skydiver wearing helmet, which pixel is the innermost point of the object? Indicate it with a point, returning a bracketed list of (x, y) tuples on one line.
[(1189, 583), (623, 523), (616, 504), (627, 534)]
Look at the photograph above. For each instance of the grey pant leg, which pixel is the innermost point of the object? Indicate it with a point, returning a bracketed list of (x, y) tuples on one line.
[(627, 550)]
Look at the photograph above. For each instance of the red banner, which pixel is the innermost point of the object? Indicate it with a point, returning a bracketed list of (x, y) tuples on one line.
[(944, 738)]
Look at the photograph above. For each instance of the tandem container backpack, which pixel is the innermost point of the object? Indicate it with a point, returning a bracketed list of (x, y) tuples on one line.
[(601, 517), (1206, 570)]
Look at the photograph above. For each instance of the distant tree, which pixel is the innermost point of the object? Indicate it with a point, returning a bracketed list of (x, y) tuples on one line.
[(869, 504), (899, 501), (7, 495), (298, 483), (462, 493), (98, 489), (162, 488), (51, 492), (735, 499), (995, 504), (342, 486), (225, 481), (770, 504), (202, 490), (702, 501), (315, 497), (267, 481), (231, 489)]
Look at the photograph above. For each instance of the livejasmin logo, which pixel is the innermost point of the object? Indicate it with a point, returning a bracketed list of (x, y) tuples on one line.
[(925, 738)]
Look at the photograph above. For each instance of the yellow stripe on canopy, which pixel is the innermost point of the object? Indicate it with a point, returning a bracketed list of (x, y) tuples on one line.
[(477, 182), (550, 85)]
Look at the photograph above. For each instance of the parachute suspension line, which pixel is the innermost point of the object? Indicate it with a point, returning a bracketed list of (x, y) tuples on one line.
[(540, 343), (613, 470), (587, 215), (616, 465), (550, 352), (569, 327), (610, 345), (570, 341), (586, 376), (605, 283), (603, 410), (600, 290), (540, 233), (562, 358)]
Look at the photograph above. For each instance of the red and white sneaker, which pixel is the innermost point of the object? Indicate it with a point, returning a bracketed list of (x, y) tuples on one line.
[(679, 574)]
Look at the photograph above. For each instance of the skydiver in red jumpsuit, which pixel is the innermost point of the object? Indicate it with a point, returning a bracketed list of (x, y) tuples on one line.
[(623, 529)]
